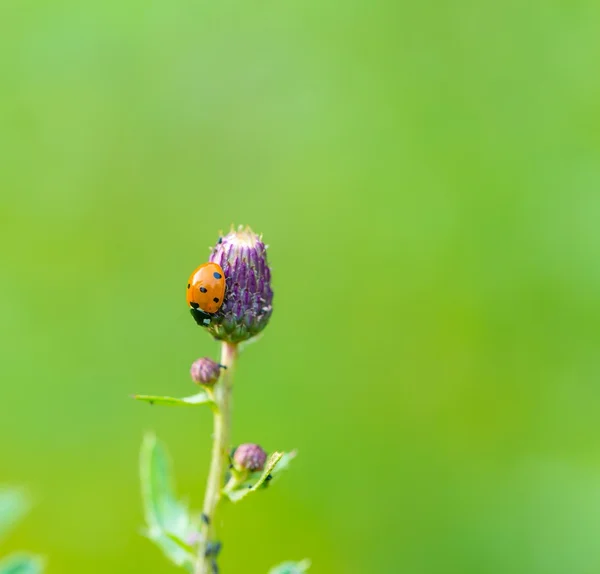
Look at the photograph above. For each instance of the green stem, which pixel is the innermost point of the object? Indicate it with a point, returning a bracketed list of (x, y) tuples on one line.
[(219, 459)]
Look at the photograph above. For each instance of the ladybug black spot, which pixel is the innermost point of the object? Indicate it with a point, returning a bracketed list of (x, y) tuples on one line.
[(216, 275), (202, 289), (194, 305), (216, 299), (188, 285)]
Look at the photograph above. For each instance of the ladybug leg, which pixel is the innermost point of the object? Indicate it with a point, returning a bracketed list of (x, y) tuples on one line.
[(202, 318)]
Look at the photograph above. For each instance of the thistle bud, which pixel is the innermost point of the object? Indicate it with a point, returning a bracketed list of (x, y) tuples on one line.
[(250, 457), (205, 371), (246, 308)]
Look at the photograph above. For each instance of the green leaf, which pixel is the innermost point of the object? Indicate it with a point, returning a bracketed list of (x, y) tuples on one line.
[(277, 462), (283, 464), (14, 503), (201, 398), (291, 567), (22, 564), (168, 520), (172, 549), (183, 545)]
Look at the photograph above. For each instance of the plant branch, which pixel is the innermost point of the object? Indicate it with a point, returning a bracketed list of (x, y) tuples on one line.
[(219, 459)]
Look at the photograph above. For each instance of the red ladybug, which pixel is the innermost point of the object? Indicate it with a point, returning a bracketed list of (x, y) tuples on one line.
[(206, 288)]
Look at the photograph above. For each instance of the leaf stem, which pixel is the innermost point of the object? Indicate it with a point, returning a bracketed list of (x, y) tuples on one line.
[(219, 459)]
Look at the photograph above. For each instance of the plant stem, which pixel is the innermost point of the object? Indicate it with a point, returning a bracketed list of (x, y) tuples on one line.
[(219, 459)]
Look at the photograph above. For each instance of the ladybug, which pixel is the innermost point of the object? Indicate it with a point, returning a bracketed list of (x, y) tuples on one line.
[(206, 291)]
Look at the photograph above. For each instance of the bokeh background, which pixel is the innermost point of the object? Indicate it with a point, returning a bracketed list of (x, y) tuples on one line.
[(427, 176)]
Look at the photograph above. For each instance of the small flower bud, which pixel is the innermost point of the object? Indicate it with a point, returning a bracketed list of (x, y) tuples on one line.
[(246, 308), (250, 457), (205, 371)]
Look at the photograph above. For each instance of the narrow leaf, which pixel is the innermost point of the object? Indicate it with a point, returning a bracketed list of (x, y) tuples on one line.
[(182, 544), (283, 463), (14, 503), (277, 462), (167, 518), (198, 399), (22, 564), (172, 549), (271, 463), (291, 568)]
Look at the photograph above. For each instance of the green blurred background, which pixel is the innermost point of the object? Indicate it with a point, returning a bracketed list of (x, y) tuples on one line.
[(427, 176)]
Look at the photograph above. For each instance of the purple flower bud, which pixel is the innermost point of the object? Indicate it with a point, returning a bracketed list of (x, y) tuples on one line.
[(247, 305), (250, 457), (205, 371)]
